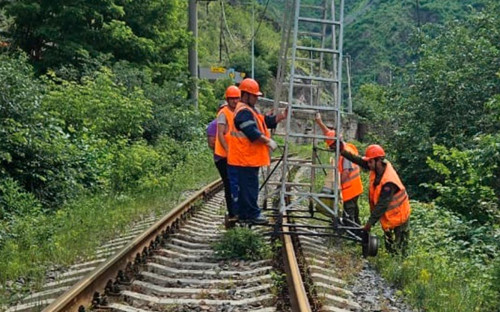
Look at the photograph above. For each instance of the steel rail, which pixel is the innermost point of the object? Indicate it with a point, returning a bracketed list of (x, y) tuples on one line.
[(296, 289), (81, 294)]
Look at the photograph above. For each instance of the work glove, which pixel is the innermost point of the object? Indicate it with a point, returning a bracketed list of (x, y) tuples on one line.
[(272, 144)]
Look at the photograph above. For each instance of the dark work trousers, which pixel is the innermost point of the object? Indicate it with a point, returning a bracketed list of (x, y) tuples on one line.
[(396, 240), (221, 165), (351, 208), (244, 183)]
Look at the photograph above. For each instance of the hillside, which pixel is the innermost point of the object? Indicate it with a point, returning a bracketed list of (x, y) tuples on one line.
[(225, 34), (378, 33)]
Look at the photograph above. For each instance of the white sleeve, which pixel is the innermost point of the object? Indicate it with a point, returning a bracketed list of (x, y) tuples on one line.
[(221, 120)]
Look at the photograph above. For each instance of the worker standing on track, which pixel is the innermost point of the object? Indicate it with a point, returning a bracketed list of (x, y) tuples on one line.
[(225, 121), (388, 199), (350, 175), (249, 149)]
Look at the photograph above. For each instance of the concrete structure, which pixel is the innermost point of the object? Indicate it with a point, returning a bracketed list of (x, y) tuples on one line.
[(303, 122)]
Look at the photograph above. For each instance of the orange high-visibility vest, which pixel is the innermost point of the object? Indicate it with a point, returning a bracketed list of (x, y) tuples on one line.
[(242, 151), (399, 209), (351, 184), (219, 149)]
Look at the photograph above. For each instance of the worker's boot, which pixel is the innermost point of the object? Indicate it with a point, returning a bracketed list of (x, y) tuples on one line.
[(259, 220)]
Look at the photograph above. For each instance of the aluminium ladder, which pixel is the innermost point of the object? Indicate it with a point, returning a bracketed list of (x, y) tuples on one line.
[(316, 65)]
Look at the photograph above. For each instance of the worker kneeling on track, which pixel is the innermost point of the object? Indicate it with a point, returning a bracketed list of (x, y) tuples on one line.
[(388, 199), (249, 149), (350, 177)]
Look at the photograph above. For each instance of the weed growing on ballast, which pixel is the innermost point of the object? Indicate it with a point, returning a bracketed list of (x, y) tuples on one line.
[(242, 243)]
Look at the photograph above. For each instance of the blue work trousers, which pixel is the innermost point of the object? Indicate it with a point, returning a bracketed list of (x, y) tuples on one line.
[(221, 165), (244, 183)]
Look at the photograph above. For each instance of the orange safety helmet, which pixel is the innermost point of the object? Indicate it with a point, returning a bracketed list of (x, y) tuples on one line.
[(373, 151), (233, 92), (250, 86)]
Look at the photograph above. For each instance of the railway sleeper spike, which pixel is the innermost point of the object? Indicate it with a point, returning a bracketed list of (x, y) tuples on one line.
[(122, 278), (152, 246), (111, 289), (144, 255), (132, 271), (137, 260), (96, 300)]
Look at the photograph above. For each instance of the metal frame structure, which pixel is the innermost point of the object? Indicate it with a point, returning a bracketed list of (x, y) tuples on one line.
[(320, 78), (316, 66)]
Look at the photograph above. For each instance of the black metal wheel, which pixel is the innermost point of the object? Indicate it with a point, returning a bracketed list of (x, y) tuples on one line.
[(370, 246)]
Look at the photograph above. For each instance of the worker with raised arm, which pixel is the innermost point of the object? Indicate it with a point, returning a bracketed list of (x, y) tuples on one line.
[(250, 144), (388, 199), (225, 121), (350, 175)]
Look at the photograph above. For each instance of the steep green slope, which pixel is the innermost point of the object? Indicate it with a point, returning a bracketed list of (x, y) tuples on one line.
[(378, 33), (231, 47)]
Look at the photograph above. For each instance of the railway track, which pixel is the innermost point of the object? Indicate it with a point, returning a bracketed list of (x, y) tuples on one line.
[(171, 266)]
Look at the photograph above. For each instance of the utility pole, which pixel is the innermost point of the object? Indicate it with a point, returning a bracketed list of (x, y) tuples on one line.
[(193, 51), (253, 40), (349, 99)]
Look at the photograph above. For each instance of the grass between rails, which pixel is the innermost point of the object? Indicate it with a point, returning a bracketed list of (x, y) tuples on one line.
[(242, 243), (78, 228)]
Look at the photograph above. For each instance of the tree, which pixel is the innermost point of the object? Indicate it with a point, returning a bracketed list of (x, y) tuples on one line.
[(445, 102), (56, 33)]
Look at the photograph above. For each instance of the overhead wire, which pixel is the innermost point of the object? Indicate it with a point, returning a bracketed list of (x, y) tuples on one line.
[(225, 23), (238, 46)]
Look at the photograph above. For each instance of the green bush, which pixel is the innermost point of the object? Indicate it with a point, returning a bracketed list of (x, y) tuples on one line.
[(451, 264), (15, 203), (31, 241), (134, 164), (99, 106), (465, 188)]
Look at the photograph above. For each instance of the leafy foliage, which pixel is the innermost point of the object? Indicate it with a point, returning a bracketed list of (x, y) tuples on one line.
[(98, 106), (381, 36), (466, 186), (234, 30), (447, 98), (451, 265), (56, 33)]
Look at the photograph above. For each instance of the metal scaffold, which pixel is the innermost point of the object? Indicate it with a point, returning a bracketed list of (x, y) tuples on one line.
[(310, 69)]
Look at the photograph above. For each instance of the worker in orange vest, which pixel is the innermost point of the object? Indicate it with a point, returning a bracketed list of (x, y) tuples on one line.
[(225, 121), (250, 144), (388, 199), (350, 175)]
